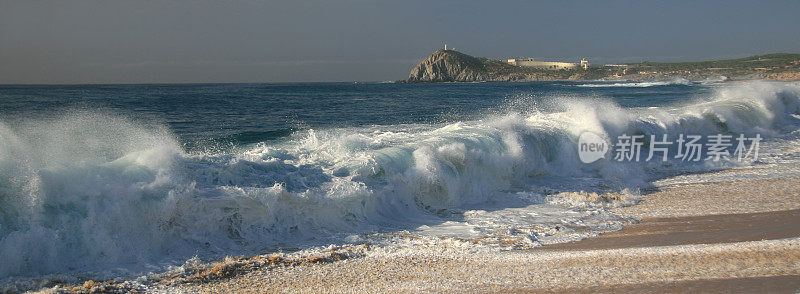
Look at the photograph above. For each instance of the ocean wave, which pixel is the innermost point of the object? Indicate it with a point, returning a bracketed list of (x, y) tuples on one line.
[(98, 191), (678, 81)]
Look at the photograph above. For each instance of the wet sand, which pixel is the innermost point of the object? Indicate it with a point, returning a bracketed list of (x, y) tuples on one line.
[(774, 284), (735, 236), (707, 229), (722, 197)]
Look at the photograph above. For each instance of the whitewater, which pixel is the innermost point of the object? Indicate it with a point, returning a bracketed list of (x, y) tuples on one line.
[(103, 192)]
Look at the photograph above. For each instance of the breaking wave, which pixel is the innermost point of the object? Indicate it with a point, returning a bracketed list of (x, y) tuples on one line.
[(638, 84), (92, 190)]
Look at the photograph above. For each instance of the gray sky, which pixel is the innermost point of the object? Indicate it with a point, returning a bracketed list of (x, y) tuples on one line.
[(144, 41)]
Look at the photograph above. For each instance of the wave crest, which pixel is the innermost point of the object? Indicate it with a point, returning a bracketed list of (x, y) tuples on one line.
[(96, 190), (678, 81)]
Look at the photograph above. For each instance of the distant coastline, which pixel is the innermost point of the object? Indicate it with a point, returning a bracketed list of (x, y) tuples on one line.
[(454, 66)]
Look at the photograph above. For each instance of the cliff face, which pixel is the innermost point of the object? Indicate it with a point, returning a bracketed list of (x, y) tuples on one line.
[(453, 66)]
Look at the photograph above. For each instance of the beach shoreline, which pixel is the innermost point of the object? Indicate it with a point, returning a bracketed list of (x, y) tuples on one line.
[(743, 247)]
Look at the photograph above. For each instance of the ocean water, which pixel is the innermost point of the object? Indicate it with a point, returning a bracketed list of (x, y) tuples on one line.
[(127, 179)]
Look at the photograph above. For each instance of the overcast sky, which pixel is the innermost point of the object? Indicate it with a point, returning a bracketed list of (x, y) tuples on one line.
[(144, 41)]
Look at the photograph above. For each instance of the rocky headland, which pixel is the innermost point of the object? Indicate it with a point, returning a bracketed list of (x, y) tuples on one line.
[(454, 66)]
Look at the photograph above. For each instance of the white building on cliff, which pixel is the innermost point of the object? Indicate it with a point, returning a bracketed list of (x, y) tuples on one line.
[(551, 65)]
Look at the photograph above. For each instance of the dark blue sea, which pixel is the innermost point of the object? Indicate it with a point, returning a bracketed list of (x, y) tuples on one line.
[(202, 115)]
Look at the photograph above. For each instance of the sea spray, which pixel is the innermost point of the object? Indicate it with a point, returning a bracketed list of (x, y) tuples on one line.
[(88, 192)]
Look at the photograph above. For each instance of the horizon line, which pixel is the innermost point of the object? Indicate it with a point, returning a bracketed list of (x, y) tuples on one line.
[(185, 83)]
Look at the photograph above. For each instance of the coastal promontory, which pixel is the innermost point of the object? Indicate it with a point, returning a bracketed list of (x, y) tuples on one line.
[(454, 66)]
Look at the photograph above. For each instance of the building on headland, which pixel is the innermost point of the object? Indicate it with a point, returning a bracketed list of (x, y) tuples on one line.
[(551, 65)]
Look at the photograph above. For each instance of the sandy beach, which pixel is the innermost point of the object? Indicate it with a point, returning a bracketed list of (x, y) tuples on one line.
[(730, 236)]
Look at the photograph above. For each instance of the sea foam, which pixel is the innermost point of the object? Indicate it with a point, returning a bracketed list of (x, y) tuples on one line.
[(90, 192), (678, 81)]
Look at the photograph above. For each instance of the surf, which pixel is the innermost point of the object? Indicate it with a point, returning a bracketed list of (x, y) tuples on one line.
[(679, 81), (102, 192)]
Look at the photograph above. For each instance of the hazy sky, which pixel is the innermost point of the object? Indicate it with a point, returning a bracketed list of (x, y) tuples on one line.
[(143, 41)]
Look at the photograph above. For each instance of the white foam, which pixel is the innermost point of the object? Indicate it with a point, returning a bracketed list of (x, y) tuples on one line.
[(678, 81), (96, 192)]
